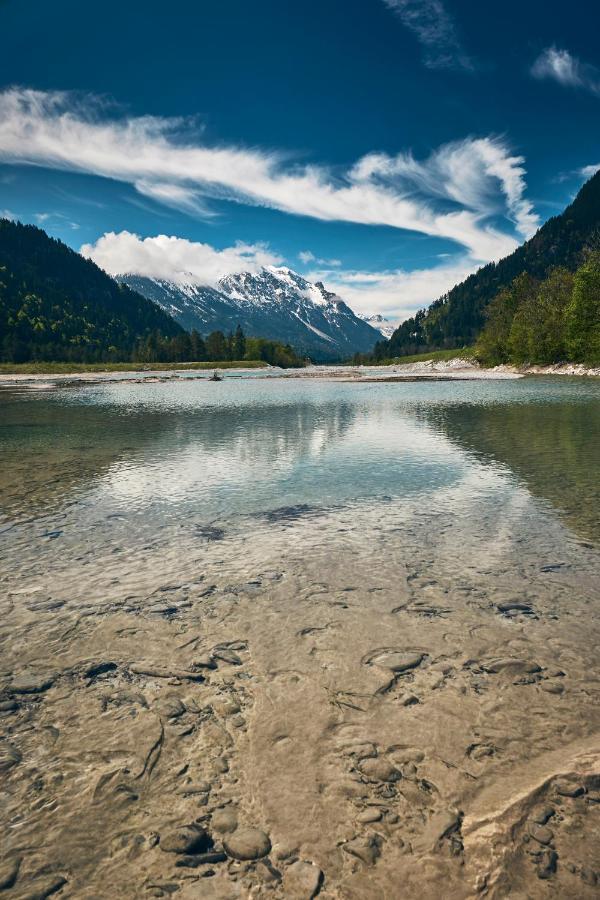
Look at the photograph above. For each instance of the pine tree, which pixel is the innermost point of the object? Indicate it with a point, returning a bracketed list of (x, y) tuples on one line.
[(583, 313), (239, 344)]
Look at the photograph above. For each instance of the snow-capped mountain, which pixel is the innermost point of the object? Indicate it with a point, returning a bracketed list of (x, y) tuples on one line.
[(382, 324), (274, 303)]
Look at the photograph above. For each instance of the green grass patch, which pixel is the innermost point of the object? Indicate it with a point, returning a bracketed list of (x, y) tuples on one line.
[(64, 368)]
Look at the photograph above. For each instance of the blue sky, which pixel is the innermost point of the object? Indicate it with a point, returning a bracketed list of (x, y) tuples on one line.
[(388, 147)]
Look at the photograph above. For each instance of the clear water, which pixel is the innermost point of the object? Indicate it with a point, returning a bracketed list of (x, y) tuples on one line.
[(151, 455)]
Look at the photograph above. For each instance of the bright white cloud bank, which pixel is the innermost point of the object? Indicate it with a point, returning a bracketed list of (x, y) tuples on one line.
[(175, 259)]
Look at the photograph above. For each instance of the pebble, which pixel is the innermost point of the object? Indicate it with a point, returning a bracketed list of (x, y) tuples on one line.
[(204, 662), (398, 662), (547, 864), (31, 684), (8, 873), (247, 843), (541, 817), (369, 815), (568, 789), (170, 707), (517, 607), (195, 787), (185, 839), (550, 688), (366, 850), (303, 880), (379, 770), (45, 887), (541, 833), (8, 706), (228, 656), (409, 700), (224, 821), (521, 665), (9, 756), (99, 668)]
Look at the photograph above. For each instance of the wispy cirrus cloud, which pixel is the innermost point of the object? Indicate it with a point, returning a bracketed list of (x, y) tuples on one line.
[(174, 258), (435, 29), (463, 192), (565, 68)]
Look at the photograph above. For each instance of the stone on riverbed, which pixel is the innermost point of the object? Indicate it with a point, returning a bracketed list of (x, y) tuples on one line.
[(397, 661), (303, 880), (247, 843), (379, 770), (187, 839), (30, 683), (224, 821)]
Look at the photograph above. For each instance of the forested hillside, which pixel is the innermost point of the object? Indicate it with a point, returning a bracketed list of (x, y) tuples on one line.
[(56, 305), (457, 319)]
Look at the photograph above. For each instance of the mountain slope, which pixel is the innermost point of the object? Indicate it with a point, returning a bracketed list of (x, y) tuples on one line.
[(275, 303), (56, 305), (456, 319)]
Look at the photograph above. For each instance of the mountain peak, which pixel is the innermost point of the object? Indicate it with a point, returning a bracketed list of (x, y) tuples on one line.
[(275, 303)]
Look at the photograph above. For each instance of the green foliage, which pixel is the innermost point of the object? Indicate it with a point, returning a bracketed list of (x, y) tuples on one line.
[(583, 313), (537, 333), (494, 341), (457, 318), (542, 322), (56, 305), (272, 352)]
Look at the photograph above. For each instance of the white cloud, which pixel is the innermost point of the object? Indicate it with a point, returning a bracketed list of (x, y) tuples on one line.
[(174, 258), (396, 294), (8, 214), (434, 28), (588, 171), (568, 70), (481, 180), (307, 256)]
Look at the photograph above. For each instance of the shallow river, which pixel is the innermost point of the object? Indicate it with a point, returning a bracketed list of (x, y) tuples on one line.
[(363, 618)]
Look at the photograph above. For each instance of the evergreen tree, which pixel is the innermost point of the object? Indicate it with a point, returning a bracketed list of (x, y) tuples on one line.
[(538, 330), (239, 344), (494, 340), (198, 348), (216, 346), (583, 313)]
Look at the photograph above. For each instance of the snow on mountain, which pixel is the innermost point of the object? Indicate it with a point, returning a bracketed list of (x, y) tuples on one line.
[(382, 324), (274, 303)]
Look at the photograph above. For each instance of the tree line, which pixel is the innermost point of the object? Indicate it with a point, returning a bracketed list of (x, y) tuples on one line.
[(555, 319), (56, 306), (215, 347)]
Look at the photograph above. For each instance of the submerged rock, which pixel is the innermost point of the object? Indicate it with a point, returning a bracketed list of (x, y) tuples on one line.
[(9, 756), (303, 880), (8, 872), (30, 683), (247, 843), (365, 849), (188, 839), (379, 770)]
